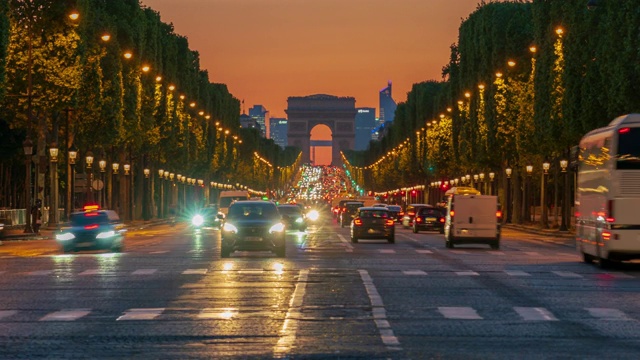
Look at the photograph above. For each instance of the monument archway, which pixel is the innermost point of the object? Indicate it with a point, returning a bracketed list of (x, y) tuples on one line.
[(320, 152), (337, 113)]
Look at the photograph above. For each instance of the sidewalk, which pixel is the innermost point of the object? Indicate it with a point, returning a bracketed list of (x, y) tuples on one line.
[(556, 236)]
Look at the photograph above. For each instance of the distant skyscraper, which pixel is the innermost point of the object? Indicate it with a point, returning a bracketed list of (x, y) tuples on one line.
[(278, 131), (365, 123), (387, 105), (261, 115)]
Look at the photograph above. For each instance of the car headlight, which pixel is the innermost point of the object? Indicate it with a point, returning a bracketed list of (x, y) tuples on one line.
[(313, 215), (106, 234), (279, 227), (65, 236), (299, 220), (197, 220), (230, 228)]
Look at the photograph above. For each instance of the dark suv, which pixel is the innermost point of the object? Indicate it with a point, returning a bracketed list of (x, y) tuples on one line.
[(349, 211), (429, 218), (253, 225)]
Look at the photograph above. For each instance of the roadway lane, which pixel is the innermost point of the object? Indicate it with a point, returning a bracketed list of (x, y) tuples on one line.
[(171, 296)]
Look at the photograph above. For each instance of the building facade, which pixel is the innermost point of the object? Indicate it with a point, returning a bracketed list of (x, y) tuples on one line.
[(387, 105), (278, 128), (365, 125), (261, 115)]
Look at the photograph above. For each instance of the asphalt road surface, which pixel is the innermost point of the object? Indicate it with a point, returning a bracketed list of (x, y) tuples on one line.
[(170, 296)]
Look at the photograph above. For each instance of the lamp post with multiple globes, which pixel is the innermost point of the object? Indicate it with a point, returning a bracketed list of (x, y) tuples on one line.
[(53, 206)]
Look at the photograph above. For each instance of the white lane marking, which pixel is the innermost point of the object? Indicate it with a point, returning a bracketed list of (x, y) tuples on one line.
[(387, 251), (517, 273), (496, 252), (251, 271), (141, 314), (7, 313), (66, 315), (607, 314), (414, 272), (349, 247), (195, 272), (379, 313), (467, 273), (567, 274), (535, 314), (159, 252), (424, 251), (221, 313), (462, 313), (40, 272), (532, 253), (91, 272), (290, 326), (144, 272), (621, 276), (459, 251)]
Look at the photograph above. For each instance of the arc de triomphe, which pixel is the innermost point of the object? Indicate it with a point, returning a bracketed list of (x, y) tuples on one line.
[(338, 113)]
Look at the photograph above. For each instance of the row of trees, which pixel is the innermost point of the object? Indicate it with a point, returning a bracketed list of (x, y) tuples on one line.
[(525, 81), (67, 81)]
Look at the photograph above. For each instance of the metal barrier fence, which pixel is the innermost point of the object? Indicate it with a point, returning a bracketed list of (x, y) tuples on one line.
[(17, 217)]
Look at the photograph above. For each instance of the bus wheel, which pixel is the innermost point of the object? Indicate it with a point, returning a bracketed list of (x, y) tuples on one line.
[(586, 258)]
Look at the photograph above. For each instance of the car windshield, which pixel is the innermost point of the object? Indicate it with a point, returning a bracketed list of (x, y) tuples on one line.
[(289, 210), (430, 212), (253, 211), (394, 207), (374, 214), (82, 219)]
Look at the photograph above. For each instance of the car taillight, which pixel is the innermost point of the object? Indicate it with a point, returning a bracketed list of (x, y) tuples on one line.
[(606, 235), (401, 213), (411, 213), (91, 227), (389, 222), (441, 219), (344, 209), (357, 222), (451, 213), (418, 219), (498, 214)]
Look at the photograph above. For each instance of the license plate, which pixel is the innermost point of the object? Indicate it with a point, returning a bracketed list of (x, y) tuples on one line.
[(372, 231), (84, 244), (431, 219), (253, 238)]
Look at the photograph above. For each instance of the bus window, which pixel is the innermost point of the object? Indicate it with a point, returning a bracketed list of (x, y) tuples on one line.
[(628, 156)]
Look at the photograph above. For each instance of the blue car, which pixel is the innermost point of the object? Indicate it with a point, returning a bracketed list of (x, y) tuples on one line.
[(92, 229)]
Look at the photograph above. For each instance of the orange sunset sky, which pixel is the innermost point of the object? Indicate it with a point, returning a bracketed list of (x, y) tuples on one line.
[(268, 50)]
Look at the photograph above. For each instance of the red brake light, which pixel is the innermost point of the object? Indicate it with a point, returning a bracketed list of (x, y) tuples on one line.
[(498, 214), (606, 235), (91, 214), (91, 227), (624, 130), (357, 222), (91, 207), (389, 222), (418, 219), (441, 219), (451, 213)]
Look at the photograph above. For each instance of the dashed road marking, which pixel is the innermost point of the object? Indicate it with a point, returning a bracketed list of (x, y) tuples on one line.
[(290, 326), (141, 314), (461, 313), (159, 252), (517, 273), (348, 246), (66, 315), (40, 272), (251, 271), (414, 272), (195, 272), (467, 273), (91, 272), (387, 251), (621, 276), (7, 313), (459, 251), (567, 274), (144, 272), (424, 251), (496, 252), (379, 313), (532, 253), (607, 314), (535, 314)]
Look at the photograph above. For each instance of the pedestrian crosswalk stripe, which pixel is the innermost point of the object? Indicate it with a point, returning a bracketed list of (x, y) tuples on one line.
[(607, 314), (141, 314), (424, 251), (532, 253), (465, 313), (251, 271), (144, 272), (414, 272), (195, 272), (458, 251), (567, 274), (91, 272), (535, 314), (159, 252), (41, 272), (7, 313), (66, 315), (496, 252), (517, 273), (467, 273), (621, 276), (387, 251)]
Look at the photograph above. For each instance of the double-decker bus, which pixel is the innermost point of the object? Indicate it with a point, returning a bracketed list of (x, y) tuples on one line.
[(608, 192)]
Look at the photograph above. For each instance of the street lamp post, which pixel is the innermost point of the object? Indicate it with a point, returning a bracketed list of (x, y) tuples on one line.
[(483, 188), (492, 175), (27, 145), (103, 169), (89, 162), (115, 187), (544, 216), (528, 202), (53, 213), (145, 194), (128, 198), (566, 207), (161, 202), (509, 207), (71, 191)]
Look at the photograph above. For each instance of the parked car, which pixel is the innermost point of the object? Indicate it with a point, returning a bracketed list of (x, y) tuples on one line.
[(410, 213), (428, 218), (253, 225), (348, 212), (373, 223), (92, 229)]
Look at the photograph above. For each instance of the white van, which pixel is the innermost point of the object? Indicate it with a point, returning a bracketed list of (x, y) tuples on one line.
[(472, 218), (228, 197)]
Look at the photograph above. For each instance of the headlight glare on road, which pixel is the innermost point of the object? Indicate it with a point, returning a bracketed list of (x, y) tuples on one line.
[(279, 227), (65, 237), (230, 228), (106, 234), (197, 220)]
